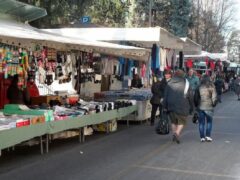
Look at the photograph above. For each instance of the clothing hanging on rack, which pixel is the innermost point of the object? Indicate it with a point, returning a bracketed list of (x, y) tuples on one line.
[(158, 58), (163, 55), (143, 70)]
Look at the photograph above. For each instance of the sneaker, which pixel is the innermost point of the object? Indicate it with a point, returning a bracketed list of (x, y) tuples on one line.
[(208, 139), (203, 140)]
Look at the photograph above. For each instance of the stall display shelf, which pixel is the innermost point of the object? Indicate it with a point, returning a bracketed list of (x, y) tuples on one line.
[(14, 136), (143, 113), (11, 137), (91, 119), (142, 96)]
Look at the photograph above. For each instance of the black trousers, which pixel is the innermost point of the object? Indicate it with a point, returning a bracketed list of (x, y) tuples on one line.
[(155, 107)]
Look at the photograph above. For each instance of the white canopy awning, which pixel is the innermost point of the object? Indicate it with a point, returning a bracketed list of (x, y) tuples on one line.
[(213, 56), (234, 65), (143, 37), (16, 33), (191, 47)]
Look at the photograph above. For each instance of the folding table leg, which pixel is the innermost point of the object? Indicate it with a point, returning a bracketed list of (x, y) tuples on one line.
[(41, 145), (83, 137), (107, 124), (47, 143), (80, 135)]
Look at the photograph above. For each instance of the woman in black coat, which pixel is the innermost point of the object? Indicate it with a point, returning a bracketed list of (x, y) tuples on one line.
[(158, 93)]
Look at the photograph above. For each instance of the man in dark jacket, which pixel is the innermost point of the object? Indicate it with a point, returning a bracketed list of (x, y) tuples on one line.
[(136, 82), (178, 101), (219, 84)]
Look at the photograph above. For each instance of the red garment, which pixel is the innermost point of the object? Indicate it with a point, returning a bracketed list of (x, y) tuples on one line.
[(189, 63), (212, 65), (143, 71), (33, 90)]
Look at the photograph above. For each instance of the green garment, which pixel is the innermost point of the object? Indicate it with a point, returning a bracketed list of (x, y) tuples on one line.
[(193, 81)]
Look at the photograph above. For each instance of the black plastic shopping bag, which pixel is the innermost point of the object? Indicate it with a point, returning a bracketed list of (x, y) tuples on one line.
[(163, 124)]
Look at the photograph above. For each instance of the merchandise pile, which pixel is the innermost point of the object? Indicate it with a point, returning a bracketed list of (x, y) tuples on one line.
[(136, 94), (15, 116)]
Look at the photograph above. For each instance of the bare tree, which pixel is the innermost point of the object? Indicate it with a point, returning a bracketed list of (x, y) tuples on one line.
[(234, 47), (212, 20)]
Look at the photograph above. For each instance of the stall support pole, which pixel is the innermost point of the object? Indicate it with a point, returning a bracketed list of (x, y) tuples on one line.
[(41, 145), (0, 152), (180, 60)]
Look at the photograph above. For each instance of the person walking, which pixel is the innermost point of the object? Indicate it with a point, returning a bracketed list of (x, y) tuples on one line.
[(219, 85), (193, 79), (205, 99), (237, 87), (158, 92), (178, 102)]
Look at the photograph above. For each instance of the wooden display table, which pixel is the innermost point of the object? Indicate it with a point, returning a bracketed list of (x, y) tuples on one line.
[(43, 99)]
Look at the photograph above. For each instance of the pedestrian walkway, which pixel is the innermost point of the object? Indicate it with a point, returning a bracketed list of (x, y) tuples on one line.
[(137, 153)]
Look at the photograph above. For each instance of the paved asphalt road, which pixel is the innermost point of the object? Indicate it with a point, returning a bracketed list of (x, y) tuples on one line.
[(137, 153)]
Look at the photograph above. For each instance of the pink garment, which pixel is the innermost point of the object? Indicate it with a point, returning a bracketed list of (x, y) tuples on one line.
[(143, 70)]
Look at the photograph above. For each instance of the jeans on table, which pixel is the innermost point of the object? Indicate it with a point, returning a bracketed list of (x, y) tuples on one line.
[(203, 118)]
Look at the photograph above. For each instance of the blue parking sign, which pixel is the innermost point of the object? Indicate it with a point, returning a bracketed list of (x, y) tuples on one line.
[(86, 19)]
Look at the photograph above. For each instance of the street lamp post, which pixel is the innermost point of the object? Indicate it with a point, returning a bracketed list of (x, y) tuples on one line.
[(150, 12)]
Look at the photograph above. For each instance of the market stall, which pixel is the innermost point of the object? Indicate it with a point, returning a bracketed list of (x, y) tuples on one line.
[(206, 62), (47, 57), (164, 47), (14, 133)]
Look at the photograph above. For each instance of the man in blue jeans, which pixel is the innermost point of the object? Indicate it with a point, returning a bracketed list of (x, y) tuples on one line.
[(205, 99)]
